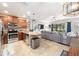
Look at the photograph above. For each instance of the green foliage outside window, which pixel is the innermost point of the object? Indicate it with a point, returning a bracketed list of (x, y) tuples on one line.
[(58, 27)]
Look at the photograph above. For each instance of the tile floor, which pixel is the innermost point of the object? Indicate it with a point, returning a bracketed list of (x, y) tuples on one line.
[(21, 48)]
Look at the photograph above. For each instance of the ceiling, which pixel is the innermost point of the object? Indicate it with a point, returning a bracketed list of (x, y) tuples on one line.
[(41, 10)]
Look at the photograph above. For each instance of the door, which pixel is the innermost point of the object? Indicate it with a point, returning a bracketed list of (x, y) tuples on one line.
[(68, 26)]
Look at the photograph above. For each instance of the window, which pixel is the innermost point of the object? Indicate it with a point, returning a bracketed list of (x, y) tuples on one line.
[(58, 27)]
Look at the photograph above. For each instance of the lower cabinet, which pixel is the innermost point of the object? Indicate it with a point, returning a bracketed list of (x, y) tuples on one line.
[(21, 36), (5, 38)]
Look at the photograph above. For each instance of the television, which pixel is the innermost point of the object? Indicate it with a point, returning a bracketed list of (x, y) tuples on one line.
[(41, 26)]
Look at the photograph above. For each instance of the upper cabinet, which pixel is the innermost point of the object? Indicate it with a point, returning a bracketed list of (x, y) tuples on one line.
[(8, 20), (22, 23)]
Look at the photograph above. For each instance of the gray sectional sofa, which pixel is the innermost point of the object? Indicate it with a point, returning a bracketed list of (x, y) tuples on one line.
[(60, 37)]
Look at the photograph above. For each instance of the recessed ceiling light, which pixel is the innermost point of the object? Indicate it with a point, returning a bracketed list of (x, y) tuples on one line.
[(5, 4), (5, 11), (24, 16), (28, 12)]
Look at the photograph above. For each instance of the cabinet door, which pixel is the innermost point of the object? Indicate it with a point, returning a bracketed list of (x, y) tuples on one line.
[(5, 38), (21, 36)]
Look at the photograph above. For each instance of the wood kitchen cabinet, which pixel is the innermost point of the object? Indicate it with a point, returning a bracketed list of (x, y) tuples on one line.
[(5, 38), (21, 36)]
